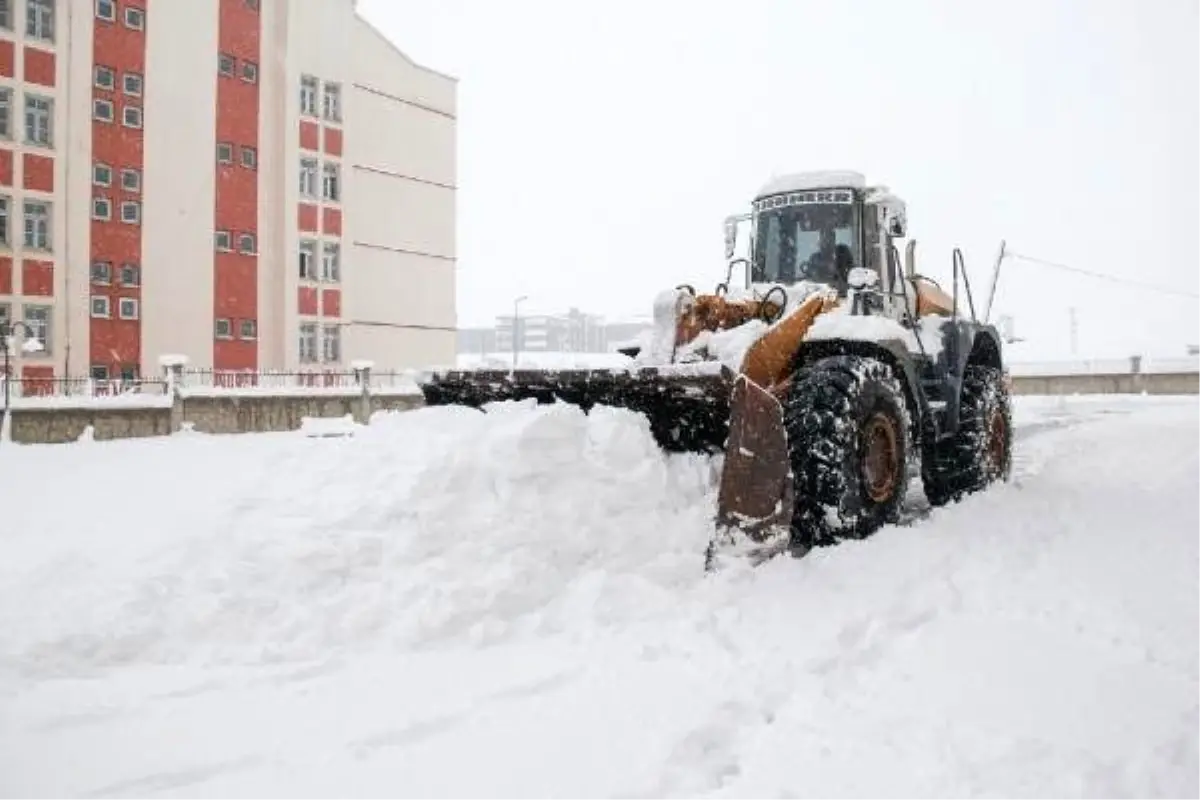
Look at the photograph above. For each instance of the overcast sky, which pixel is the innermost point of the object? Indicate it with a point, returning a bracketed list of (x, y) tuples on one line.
[(602, 143)]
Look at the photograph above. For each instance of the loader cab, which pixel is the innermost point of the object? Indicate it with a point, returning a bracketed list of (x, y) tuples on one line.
[(816, 227)]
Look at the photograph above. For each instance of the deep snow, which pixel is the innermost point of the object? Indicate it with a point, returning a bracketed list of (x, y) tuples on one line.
[(449, 603)]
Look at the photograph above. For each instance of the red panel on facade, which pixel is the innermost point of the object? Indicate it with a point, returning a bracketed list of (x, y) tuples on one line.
[(235, 275), (236, 200), (306, 301), (37, 379), (331, 221), (310, 135), (306, 217), (37, 278), (331, 302), (6, 275), (39, 172), (236, 286), (6, 167), (115, 343), (8, 59), (333, 141), (39, 66)]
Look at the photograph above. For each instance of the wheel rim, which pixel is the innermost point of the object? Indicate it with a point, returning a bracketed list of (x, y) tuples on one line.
[(997, 445), (881, 458)]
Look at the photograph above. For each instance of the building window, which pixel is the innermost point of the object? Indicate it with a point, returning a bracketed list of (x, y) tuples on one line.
[(133, 84), (308, 260), (333, 102), (308, 177), (131, 180), (222, 328), (135, 18), (249, 72), (101, 208), (308, 342), (131, 212), (39, 19), (331, 182), (39, 120), (101, 272), (224, 153), (128, 308), (131, 116), (129, 373), (331, 266), (101, 174), (106, 10), (331, 344), (99, 372), (104, 77), (226, 64), (308, 95), (249, 329), (246, 244), (100, 307), (252, 5), (130, 275), (102, 110), (5, 206), (223, 241), (37, 224), (40, 320), (249, 158), (5, 112), (6, 23)]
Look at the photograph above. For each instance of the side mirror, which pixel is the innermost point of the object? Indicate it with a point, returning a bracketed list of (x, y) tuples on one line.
[(731, 224), (894, 221)]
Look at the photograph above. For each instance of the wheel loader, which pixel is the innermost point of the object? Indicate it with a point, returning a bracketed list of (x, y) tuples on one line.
[(830, 377)]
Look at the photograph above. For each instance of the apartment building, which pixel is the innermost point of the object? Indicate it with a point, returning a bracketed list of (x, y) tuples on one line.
[(254, 184)]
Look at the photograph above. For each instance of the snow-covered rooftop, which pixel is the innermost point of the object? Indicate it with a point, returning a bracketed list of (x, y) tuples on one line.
[(819, 179)]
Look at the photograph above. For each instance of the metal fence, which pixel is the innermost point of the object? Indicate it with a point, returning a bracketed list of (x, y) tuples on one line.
[(209, 379), (59, 386)]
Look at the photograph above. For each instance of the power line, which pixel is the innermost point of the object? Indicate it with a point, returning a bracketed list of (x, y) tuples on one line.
[(1102, 276)]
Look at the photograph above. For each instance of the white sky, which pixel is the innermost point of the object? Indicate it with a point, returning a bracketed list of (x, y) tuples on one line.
[(602, 143)]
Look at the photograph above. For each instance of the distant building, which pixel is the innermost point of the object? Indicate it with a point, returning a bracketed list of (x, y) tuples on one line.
[(573, 332)]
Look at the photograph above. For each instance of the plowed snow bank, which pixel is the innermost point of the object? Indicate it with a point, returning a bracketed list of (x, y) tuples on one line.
[(440, 523)]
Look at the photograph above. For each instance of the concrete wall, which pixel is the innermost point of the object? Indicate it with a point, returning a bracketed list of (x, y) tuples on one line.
[(232, 412), (1120, 383), (215, 413)]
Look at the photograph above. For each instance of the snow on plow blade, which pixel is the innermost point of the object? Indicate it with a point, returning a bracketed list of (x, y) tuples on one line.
[(755, 500), (687, 404)]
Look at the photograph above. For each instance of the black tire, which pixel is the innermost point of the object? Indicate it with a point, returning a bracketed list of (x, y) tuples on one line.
[(836, 409), (980, 453)]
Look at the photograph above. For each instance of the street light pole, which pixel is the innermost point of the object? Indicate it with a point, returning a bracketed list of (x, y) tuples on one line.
[(6, 333), (515, 323)]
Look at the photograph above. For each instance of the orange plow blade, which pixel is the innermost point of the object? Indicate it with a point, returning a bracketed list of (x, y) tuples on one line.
[(755, 500)]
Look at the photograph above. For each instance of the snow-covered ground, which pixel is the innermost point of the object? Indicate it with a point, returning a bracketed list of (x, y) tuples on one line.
[(449, 603)]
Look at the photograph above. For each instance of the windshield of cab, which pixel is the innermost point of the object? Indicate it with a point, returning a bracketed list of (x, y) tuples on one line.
[(804, 242)]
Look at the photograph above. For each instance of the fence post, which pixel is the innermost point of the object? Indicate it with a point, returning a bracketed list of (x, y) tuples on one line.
[(1139, 380), (362, 375), (172, 367)]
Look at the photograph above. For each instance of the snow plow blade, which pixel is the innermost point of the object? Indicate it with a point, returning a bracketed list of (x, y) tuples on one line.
[(755, 500), (687, 405)]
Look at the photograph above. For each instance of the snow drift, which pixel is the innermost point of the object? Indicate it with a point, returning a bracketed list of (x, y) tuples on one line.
[(439, 524)]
